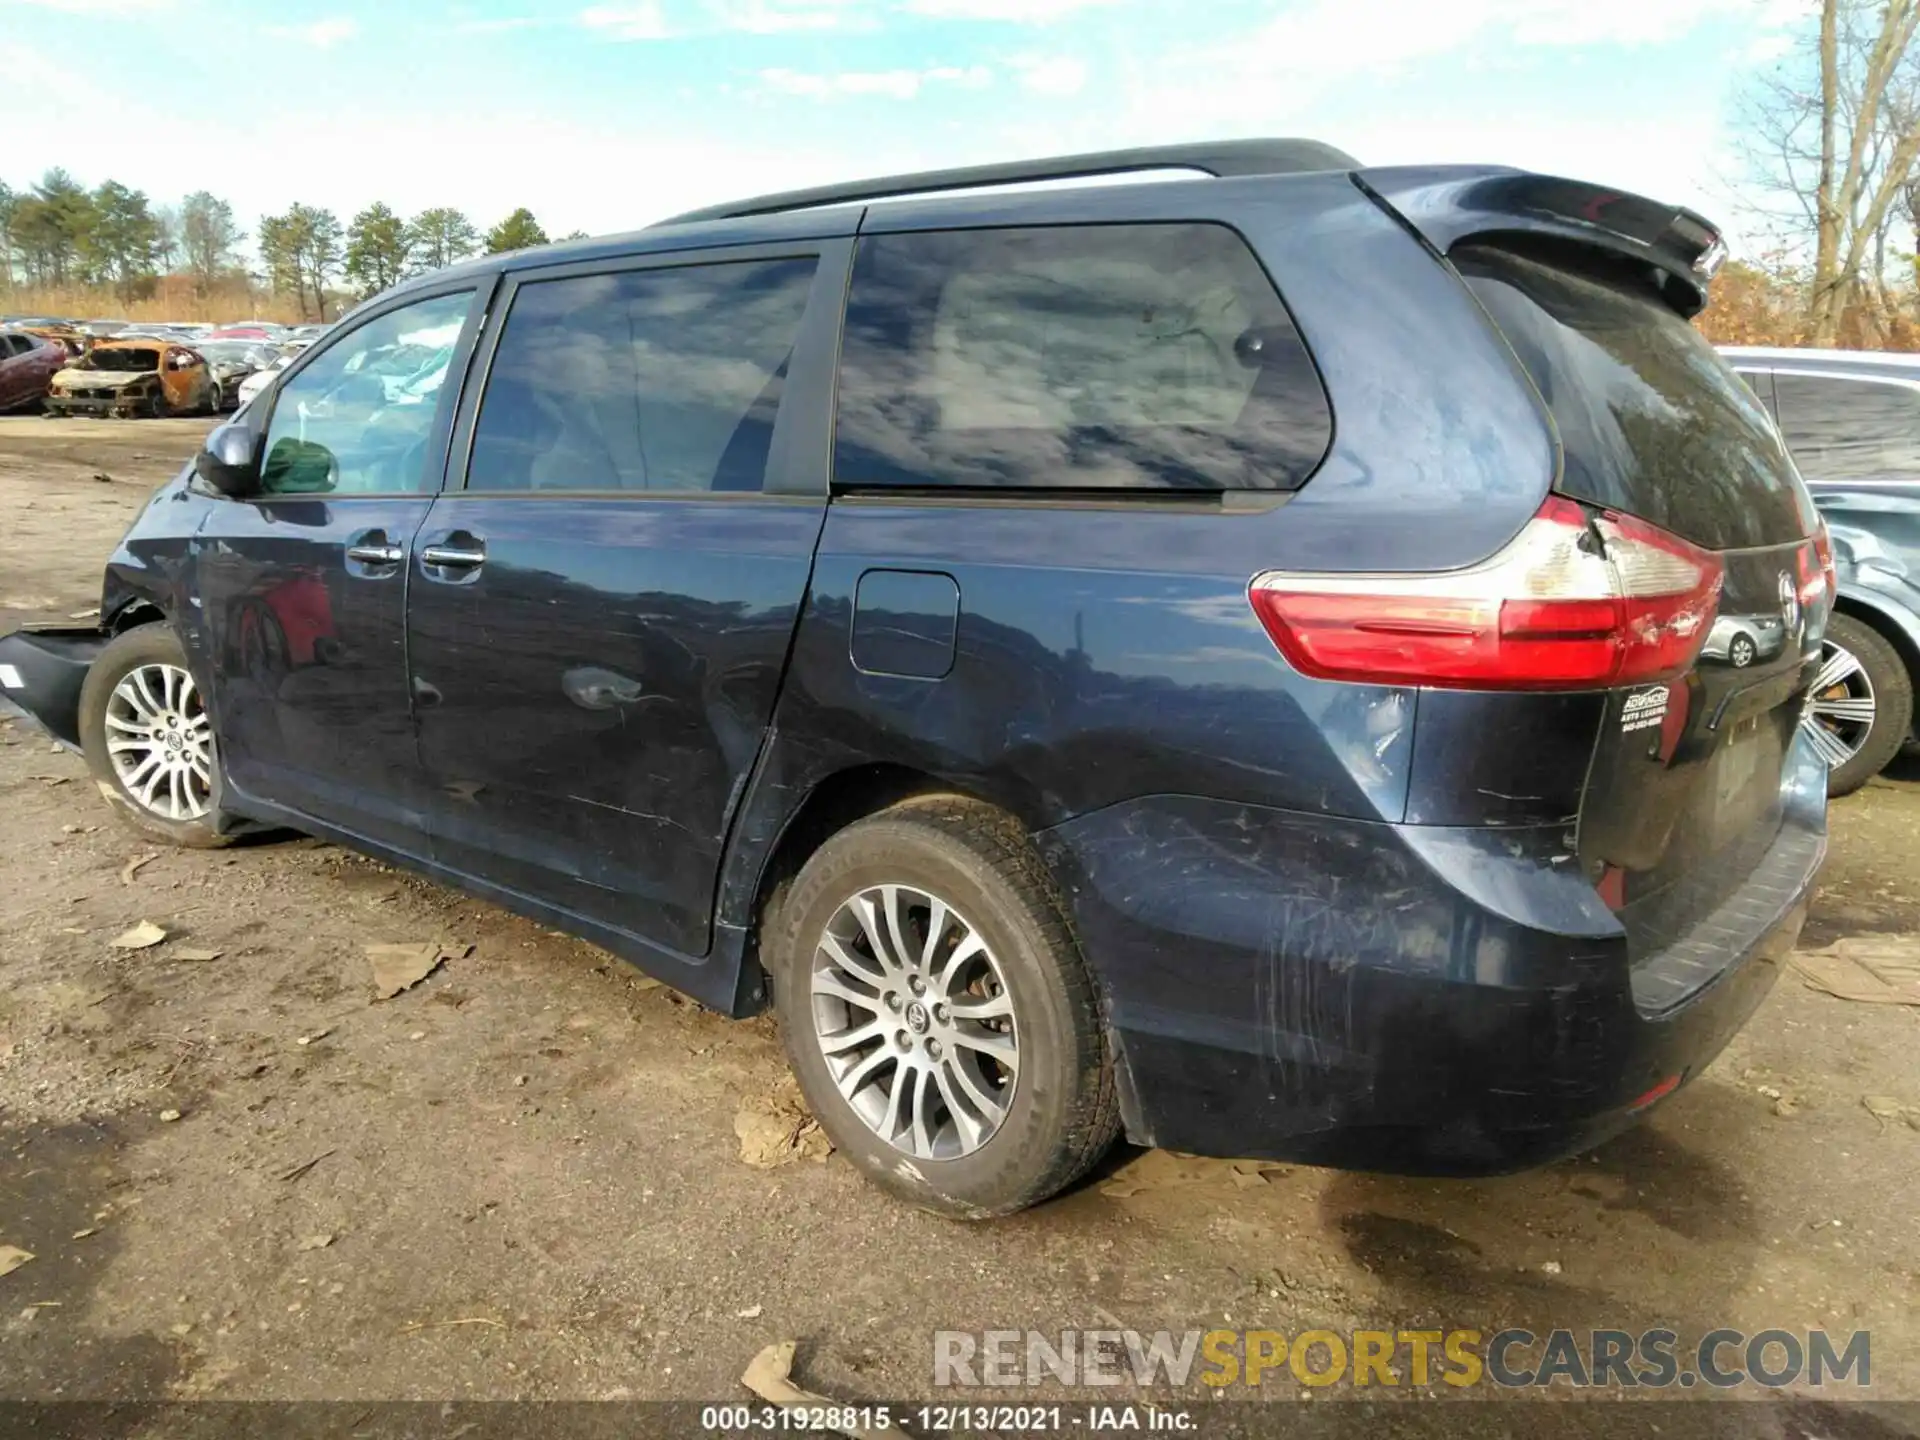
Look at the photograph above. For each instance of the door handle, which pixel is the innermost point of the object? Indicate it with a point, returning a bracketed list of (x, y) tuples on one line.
[(455, 557), (376, 554)]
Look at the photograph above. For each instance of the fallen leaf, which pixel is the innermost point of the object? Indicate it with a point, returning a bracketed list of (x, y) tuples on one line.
[(1882, 1107), (50, 779), (167, 1117), (83, 1234), (143, 936), (316, 1035), (195, 956), (86, 614), (777, 1129), (316, 1242), (12, 1257), (420, 1325), (1786, 1106), (752, 1312), (401, 967), (132, 867), (1868, 969), (769, 1375)]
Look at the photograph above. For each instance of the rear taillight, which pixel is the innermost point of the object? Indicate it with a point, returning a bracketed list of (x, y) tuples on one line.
[(1572, 602)]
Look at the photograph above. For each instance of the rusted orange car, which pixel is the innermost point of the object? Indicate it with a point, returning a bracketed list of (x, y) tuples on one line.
[(135, 377)]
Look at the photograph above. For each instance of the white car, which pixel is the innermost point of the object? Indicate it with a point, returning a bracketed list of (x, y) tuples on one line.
[(260, 379)]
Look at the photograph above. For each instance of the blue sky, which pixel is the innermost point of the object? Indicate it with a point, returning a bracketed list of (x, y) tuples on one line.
[(606, 116)]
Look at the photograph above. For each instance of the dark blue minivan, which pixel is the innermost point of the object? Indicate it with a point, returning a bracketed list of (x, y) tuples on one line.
[(1246, 661)]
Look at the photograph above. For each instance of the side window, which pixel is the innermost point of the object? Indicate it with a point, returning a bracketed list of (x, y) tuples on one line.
[(1842, 429), (1153, 357), (356, 421), (641, 380), (10, 346)]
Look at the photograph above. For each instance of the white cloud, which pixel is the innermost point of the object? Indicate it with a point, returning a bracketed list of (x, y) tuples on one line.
[(321, 34), (773, 17), (891, 84), (645, 21), (500, 25), (99, 7), (1058, 75), (1023, 12)]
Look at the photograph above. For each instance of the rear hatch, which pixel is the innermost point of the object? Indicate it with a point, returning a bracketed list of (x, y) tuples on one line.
[(1683, 820)]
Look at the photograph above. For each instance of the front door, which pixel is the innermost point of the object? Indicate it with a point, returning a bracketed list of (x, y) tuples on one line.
[(599, 618), (303, 585)]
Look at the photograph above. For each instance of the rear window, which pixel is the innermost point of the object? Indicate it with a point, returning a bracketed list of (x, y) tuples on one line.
[(1652, 421), (1122, 357)]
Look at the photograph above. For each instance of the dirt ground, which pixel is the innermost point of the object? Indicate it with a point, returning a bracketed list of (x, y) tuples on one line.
[(240, 1178)]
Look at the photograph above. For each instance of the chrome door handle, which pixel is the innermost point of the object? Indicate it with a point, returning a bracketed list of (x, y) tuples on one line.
[(376, 554), (452, 556)]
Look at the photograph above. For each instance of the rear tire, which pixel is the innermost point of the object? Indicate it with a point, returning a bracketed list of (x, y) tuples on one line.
[(1035, 1106), (1879, 677), (149, 742)]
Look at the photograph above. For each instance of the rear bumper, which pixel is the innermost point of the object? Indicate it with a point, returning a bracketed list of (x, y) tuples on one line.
[(41, 672), (1403, 998)]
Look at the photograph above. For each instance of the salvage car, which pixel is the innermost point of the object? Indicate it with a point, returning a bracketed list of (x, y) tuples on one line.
[(135, 377), (28, 363), (233, 363), (1224, 662), (74, 343), (250, 387), (1852, 422)]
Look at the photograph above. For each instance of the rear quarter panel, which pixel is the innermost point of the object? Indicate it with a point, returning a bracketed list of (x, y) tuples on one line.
[(1105, 649)]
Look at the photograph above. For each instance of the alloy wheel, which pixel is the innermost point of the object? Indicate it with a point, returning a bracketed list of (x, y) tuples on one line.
[(915, 1022), (1840, 706), (160, 742)]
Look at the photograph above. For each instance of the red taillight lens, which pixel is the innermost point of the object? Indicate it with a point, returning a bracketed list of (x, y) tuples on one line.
[(1570, 603)]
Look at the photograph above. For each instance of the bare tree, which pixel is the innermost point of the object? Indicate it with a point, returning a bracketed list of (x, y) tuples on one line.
[(1833, 138)]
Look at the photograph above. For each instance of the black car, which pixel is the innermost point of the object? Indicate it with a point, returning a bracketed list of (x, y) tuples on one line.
[(1260, 663), (1852, 421)]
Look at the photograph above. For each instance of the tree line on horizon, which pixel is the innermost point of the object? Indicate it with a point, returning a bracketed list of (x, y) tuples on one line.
[(58, 234)]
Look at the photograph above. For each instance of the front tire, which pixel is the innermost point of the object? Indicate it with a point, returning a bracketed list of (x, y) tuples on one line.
[(938, 1013), (1860, 706), (149, 741)]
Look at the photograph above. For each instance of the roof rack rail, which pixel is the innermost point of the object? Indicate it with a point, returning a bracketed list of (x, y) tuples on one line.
[(1220, 158)]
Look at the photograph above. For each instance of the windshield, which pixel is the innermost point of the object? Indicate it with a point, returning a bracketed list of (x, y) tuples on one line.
[(122, 360)]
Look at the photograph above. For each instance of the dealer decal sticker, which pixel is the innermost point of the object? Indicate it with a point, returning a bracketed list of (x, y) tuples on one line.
[(1644, 710)]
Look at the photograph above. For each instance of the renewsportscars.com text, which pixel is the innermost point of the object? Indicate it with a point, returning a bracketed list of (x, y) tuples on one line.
[(1510, 1359)]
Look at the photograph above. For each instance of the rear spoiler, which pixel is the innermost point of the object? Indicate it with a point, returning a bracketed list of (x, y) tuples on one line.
[(1448, 204)]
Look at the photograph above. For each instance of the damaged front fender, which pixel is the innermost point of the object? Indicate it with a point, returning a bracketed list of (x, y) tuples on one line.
[(41, 672)]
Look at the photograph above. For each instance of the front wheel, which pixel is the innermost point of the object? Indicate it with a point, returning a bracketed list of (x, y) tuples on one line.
[(938, 1013), (1859, 708), (149, 741)]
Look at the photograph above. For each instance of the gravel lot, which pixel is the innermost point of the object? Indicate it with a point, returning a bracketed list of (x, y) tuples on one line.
[(523, 1179)]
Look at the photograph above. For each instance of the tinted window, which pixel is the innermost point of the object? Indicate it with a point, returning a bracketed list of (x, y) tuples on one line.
[(1652, 421), (356, 421), (1850, 429), (10, 346), (642, 380), (1126, 356)]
